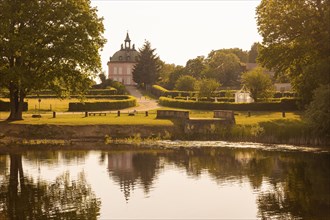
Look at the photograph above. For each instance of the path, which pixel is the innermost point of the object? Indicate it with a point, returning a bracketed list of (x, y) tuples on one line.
[(144, 103)]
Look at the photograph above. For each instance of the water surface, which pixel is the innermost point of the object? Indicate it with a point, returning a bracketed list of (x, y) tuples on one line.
[(230, 181)]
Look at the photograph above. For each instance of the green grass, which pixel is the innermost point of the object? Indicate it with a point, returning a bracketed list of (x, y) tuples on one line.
[(70, 118), (80, 119)]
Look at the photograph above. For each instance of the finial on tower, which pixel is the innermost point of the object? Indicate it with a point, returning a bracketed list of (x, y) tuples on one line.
[(127, 42)]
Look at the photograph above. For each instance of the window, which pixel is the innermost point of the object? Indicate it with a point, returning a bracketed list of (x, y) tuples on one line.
[(120, 57), (128, 57), (115, 70), (128, 71), (120, 71)]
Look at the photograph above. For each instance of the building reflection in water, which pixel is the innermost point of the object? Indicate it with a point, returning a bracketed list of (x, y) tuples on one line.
[(129, 169)]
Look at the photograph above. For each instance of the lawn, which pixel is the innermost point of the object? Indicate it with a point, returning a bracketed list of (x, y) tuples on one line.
[(78, 118)]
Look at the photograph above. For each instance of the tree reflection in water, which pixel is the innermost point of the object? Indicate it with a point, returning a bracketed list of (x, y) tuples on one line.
[(288, 184), (22, 198)]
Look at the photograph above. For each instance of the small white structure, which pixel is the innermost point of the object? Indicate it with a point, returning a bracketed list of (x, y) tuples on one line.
[(243, 96)]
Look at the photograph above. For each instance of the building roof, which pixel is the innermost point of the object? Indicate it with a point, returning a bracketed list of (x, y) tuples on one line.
[(126, 54)]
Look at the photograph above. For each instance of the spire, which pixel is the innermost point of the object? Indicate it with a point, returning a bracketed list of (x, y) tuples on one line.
[(127, 38), (127, 42)]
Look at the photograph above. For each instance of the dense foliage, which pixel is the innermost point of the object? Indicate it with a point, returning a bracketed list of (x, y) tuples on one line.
[(50, 44), (146, 70), (318, 111), (186, 83), (258, 83), (296, 42)]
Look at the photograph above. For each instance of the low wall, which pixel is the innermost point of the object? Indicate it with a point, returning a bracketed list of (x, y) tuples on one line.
[(172, 114), (224, 114)]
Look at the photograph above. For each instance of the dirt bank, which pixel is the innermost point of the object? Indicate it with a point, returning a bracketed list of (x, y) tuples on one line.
[(84, 132)]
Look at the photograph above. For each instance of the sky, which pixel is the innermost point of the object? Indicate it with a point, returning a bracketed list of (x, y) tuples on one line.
[(179, 30)]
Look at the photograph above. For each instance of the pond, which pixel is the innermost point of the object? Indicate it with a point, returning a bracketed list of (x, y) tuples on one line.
[(199, 180)]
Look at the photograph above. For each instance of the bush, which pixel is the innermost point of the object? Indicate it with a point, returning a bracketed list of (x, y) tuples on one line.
[(5, 106), (118, 102), (318, 111), (283, 105)]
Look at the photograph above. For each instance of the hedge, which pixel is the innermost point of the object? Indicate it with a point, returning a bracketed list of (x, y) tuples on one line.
[(5, 106), (283, 105), (92, 93), (159, 91), (118, 102), (219, 99)]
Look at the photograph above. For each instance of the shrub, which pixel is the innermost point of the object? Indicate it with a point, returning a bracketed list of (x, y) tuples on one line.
[(5, 106), (318, 111), (118, 102)]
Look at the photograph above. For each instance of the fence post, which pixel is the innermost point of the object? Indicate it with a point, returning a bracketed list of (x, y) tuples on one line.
[(118, 113), (54, 114), (283, 114), (86, 114), (147, 113)]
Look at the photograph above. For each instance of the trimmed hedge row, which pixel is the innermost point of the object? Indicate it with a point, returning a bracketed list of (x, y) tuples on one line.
[(218, 99), (5, 106), (283, 105), (119, 102), (92, 93), (159, 91)]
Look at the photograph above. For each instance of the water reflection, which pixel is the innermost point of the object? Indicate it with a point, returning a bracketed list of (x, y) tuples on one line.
[(129, 169), (22, 197), (281, 184), (288, 184)]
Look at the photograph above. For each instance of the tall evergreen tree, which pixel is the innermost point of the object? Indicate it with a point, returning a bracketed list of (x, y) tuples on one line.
[(146, 70)]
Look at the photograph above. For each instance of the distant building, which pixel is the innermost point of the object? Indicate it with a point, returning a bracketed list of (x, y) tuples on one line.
[(121, 64)]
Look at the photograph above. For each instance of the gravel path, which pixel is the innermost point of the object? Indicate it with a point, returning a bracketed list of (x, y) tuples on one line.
[(144, 103)]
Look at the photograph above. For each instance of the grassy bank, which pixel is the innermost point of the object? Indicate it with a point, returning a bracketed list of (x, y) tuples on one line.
[(78, 118)]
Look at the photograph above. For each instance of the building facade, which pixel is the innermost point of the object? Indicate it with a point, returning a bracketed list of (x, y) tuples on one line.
[(121, 64)]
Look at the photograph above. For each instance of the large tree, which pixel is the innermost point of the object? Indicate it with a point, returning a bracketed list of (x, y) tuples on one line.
[(50, 44), (296, 38), (195, 67), (146, 70), (223, 67), (258, 83)]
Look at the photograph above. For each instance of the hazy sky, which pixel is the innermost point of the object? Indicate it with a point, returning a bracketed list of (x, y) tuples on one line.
[(178, 30)]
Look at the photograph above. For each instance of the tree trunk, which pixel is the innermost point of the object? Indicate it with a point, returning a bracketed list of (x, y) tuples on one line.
[(16, 169), (16, 103)]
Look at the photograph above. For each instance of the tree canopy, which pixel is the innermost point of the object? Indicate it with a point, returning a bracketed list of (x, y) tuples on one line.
[(207, 87), (51, 44), (223, 67), (258, 83), (186, 83), (146, 70), (295, 42), (253, 53)]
